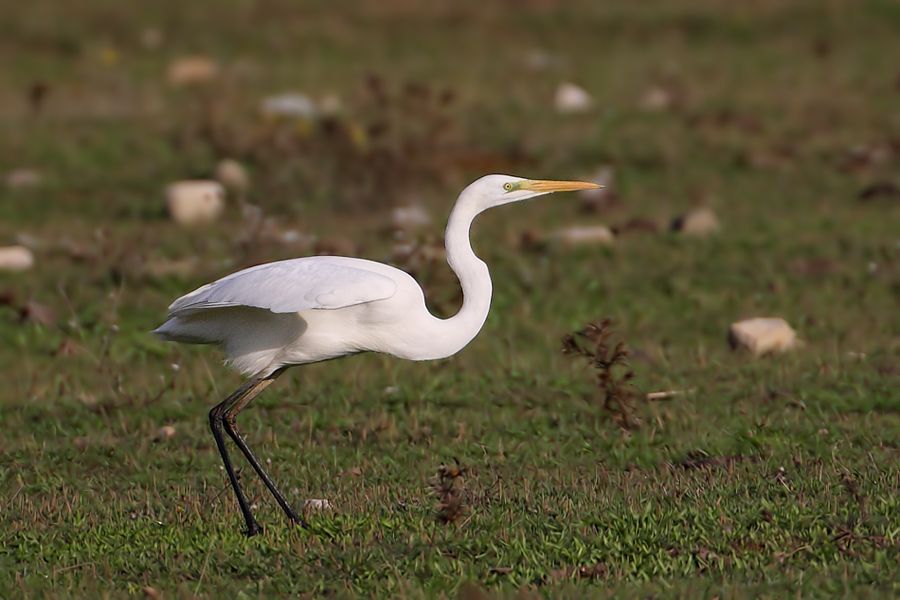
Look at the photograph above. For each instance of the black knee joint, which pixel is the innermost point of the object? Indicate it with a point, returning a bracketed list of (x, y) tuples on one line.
[(215, 417)]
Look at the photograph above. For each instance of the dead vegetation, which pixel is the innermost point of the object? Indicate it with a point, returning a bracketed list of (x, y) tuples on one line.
[(449, 488), (699, 459), (613, 375)]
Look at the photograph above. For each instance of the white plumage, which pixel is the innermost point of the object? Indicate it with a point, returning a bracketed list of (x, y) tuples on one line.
[(316, 308), (289, 312), (305, 310), (316, 282)]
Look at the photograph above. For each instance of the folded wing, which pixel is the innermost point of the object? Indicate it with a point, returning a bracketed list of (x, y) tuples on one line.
[(317, 282)]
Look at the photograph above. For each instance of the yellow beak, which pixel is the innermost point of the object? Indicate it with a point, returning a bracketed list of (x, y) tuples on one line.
[(540, 185)]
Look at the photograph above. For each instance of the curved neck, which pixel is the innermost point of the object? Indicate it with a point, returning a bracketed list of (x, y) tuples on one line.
[(452, 334)]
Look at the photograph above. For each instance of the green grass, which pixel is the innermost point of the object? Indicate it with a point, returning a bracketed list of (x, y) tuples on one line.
[(772, 476)]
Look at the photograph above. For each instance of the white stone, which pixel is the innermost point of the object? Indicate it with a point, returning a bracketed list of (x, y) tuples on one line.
[(23, 178), (762, 335), (293, 105), (192, 70), (232, 175), (317, 504), (330, 104), (586, 235), (571, 98), (165, 432), (16, 258), (699, 222), (656, 99), (410, 216), (195, 202)]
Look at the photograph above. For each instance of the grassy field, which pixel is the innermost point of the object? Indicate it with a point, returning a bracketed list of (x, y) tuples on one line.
[(768, 477)]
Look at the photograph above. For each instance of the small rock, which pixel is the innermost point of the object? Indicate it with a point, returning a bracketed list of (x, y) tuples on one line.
[(19, 179), (232, 175), (317, 504), (571, 99), (410, 217), (588, 235), (657, 99), (16, 258), (164, 433), (151, 38), (195, 202), (699, 222), (330, 104), (292, 105), (762, 336), (192, 70)]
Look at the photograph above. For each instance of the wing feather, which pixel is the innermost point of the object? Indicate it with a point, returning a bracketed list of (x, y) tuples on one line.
[(317, 282)]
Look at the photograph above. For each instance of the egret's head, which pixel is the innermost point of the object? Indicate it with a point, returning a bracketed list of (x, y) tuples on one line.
[(496, 190)]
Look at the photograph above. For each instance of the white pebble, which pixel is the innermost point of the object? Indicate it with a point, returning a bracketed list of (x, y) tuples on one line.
[(656, 99), (16, 258), (191, 70), (587, 235), (762, 335), (232, 175), (699, 222), (317, 504), (411, 216), (23, 178), (195, 202), (571, 98), (165, 432), (292, 105)]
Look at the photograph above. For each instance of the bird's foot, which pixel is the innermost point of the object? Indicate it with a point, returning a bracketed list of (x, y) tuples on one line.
[(253, 528)]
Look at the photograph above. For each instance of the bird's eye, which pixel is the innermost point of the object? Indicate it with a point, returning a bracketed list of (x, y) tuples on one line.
[(508, 187)]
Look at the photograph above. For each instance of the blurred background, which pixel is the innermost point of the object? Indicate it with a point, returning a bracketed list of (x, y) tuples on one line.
[(751, 153)]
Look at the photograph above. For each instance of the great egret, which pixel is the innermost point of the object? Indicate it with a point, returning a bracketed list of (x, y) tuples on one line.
[(292, 312)]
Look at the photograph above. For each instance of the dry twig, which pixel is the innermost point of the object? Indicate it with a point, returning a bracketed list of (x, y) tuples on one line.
[(449, 487), (594, 342)]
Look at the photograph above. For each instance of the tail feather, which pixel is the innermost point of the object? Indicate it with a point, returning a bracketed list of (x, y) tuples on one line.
[(252, 338)]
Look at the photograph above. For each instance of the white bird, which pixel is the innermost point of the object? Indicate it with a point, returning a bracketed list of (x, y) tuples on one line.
[(293, 312)]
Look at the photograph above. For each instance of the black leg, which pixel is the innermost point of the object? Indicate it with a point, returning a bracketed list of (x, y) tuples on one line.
[(232, 430), (215, 423), (230, 421)]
